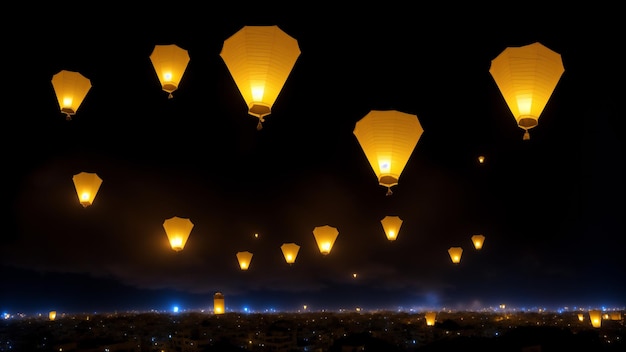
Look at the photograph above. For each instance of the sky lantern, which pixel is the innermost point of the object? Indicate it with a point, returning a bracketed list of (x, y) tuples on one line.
[(478, 241), (481, 159), (169, 62), (244, 259), (52, 315), (595, 316), (260, 59), (325, 237), (218, 303), (71, 88), (290, 251), (391, 225), (177, 230), (87, 185), (455, 254), (526, 76), (388, 138), (581, 317), (430, 318)]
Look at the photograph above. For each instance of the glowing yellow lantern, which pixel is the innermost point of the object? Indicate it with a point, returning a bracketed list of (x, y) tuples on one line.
[(87, 185), (244, 259), (290, 251), (218, 303), (260, 59), (391, 225), (52, 315), (430, 318), (526, 76), (455, 254), (481, 159), (595, 316), (71, 88), (169, 62), (177, 230), (388, 138), (581, 317), (325, 237), (478, 241)]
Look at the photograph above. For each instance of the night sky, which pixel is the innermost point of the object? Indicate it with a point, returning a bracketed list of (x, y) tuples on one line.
[(551, 208)]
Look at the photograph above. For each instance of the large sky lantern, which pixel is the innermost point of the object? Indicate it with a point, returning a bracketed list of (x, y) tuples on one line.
[(260, 59), (290, 252), (595, 317), (177, 230), (388, 138), (169, 62), (478, 240), (527, 76), (70, 88), (391, 226), (87, 185), (325, 237), (219, 306), (244, 258), (455, 254)]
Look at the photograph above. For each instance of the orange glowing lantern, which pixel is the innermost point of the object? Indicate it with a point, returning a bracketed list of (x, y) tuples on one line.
[(71, 88), (455, 254), (595, 316), (481, 159), (244, 259), (391, 225), (526, 76), (325, 237), (388, 138), (581, 317), (430, 318), (52, 315), (290, 251), (169, 62), (218, 303), (478, 241), (177, 230), (87, 185), (260, 59)]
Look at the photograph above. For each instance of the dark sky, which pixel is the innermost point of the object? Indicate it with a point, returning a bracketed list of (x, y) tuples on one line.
[(551, 208)]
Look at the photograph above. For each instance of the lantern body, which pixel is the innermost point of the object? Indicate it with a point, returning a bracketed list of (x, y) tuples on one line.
[(430, 318), (52, 315), (391, 225), (170, 63), (455, 254), (325, 237), (581, 317), (244, 259), (70, 88), (177, 230), (478, 241), (87, 185), (290, 251), (388, 138), (260, 59), (595, 316), (526, 76), (218, 303)]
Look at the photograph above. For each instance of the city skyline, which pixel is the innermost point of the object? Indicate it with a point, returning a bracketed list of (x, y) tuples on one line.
[(551, 208)]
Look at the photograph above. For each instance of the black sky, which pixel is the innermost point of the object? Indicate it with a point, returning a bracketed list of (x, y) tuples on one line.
[(551, 208)]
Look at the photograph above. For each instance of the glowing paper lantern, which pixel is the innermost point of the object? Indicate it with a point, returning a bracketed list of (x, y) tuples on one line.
[(87, 185), (260, 59), (430, 318), (391, 225), (581, 317), (325, 237), (455, 254), (52, 315), (177, 230), (71, 88), (388, 139), (170, 63), (290, 251), (244, 259), (218, 303), (595, 316), (526, 76), (478, 241), (481, 159)]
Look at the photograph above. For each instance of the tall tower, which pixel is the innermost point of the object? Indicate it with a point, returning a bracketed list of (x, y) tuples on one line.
[(218, 303)]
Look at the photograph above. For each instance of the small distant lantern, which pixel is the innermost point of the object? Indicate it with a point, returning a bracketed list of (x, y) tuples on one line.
[(595, 316), (391, 225), (581, 317), (87, 185), (52, 315), (290, 251), (244, 259), (71, 88), (430, 318), (260, 59), (218, 303), (169, 62), (455, 254), (478, 241), (526, 77), (388, 139), (177, 230), (325, 237), (481, 159)]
